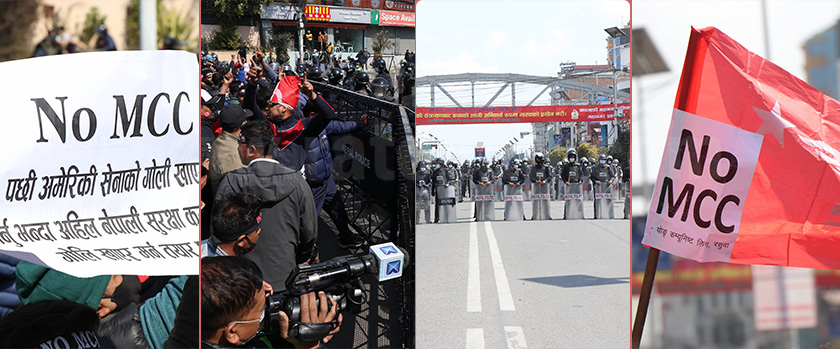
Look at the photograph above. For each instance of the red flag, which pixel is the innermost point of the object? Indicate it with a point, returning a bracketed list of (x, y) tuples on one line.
[(751, 171), (287, 92)]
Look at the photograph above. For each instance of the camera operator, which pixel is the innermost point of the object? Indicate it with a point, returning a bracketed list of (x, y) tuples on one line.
[(289, 225), (233, 306)]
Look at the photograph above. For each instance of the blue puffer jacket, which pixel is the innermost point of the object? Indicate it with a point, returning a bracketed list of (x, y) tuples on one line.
[(319, 161), (9, 300)]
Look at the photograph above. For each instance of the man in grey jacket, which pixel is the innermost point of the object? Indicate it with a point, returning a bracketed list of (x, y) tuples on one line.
[(289, 226)]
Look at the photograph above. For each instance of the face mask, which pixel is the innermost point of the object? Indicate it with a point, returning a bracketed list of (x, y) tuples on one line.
[(250, 248), (262, 317), (603, 162), (572, 160)]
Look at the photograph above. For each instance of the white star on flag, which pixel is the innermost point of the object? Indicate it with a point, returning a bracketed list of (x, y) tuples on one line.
[(772, 122)]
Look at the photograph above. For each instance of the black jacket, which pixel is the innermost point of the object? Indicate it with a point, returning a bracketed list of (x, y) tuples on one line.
[(289, 221), (571, 173), (601, 173), (513, 176), (480, 175), (546, 173)]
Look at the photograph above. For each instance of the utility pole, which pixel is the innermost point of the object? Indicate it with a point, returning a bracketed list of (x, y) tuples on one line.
[(301, 31)]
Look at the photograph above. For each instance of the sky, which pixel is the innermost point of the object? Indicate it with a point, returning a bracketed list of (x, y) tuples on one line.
[(523, 37), (668, 23)]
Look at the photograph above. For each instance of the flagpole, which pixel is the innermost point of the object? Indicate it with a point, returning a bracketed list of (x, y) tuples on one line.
[(644, 296)]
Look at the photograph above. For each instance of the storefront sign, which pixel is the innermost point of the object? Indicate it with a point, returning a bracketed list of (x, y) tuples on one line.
[(398, 5), (317, 13), (394, 18), (275, 11), (347, 15)]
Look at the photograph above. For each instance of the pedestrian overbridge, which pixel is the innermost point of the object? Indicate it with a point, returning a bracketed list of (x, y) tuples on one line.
[(558, 87)]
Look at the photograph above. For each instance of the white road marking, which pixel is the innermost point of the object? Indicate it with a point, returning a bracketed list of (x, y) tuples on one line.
[(473, 280), (515, 337), (475, 338), (502, 286)]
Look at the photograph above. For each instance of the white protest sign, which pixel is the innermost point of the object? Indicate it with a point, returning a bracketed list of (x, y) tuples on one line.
[(703, 181), (100, 162)]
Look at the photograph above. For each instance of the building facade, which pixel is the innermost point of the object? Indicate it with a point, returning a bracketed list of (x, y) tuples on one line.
[(822, 57)]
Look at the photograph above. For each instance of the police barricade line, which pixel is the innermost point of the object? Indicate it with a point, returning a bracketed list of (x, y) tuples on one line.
[(377, 191)]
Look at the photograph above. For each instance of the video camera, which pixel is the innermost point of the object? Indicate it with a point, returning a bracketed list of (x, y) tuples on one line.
[(340, 279)]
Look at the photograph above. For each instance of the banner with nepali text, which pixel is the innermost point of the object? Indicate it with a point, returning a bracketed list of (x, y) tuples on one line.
[(100, 163), (489, 115)]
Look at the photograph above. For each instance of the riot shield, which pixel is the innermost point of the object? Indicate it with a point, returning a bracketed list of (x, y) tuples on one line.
[(573, 206), (526, 190), (561, 189), (423, 202), (540, 202), (587, 188), (513, 203), (457, 185), (627, 199), (497, 189), (446, 199), (484, 208), (603, 201)]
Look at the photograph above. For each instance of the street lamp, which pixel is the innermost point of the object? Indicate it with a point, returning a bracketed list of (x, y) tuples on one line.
[(615, 32)]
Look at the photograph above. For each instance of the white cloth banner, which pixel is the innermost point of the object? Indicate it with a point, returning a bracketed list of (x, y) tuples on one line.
[(703, 181), (100, 162)]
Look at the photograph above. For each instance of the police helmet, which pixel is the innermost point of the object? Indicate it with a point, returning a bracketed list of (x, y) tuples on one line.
[(379, 87), (288, 71), (362, 78), (334, 75), (315, 73)]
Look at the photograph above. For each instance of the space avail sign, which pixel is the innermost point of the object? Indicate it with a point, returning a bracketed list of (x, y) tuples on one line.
[(100, 165), (701, 189)]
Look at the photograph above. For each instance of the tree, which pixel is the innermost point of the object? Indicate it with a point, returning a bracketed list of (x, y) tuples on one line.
[(621, 149), (382, 41), (586, 150), (169, 23), (280, 43), (17, 18), (92, 21), (556, 154), (230, 12)]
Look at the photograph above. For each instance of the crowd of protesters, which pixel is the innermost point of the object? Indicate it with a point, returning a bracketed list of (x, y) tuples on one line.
[(267, 175), (46, 308)]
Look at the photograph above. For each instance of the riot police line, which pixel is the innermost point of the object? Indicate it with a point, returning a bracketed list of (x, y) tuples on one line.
[(440, 185)]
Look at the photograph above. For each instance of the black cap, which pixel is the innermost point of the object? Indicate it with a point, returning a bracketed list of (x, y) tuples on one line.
[(232, 116)]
